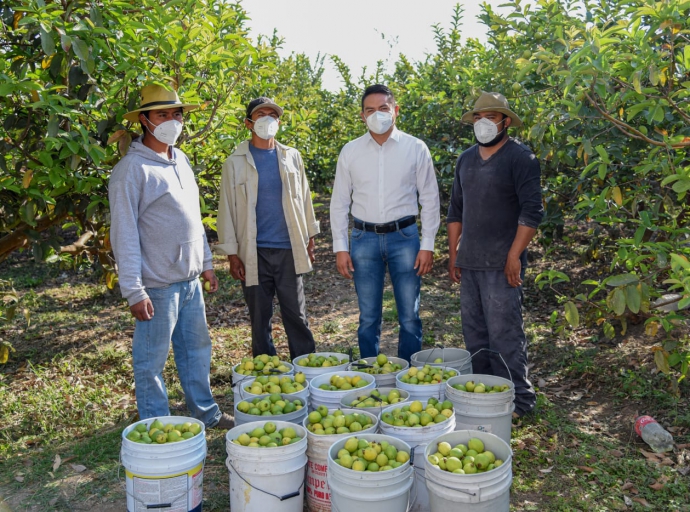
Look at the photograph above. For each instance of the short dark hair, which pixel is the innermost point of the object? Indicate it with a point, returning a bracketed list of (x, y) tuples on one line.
[(378, 89)]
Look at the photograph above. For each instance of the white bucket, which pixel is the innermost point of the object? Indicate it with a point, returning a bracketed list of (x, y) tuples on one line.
[(311, 372), (455, 358), (382, 379), (331, 399), (260, 477), (364, 491), (169, 476), (347, 400), (417, 438), (296, 416), (243, 394), (240, 380), (423, 391), (317, 452), (485, 412), (479, 492)]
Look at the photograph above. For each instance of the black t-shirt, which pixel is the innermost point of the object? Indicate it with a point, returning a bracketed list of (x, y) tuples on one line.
[(491, 198)]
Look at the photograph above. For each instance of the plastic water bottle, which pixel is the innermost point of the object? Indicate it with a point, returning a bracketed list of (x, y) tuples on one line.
[(656, 436)]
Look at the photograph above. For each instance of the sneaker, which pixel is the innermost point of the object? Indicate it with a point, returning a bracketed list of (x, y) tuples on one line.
[(226, 422)]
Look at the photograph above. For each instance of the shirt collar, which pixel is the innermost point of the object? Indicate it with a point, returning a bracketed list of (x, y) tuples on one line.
[(395, 135)]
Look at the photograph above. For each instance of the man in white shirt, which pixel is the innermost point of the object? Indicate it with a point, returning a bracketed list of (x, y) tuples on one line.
[(381, 175)]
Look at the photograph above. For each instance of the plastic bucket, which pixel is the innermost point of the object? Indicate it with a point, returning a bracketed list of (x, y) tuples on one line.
[(296, 416), (317, 452), (382, 379), (485, 412), (455, 358), (266, 479), (347, 400), (311, 372), (364, 491), (331, 399), (243, 394), (418, 438), (479, 492), (423, 391), (167, 476), (239, 379)]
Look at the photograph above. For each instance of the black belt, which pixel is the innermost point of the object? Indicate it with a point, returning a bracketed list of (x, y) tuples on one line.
[(388, 227)]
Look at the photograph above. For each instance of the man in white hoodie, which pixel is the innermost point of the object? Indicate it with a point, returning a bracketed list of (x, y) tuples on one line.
[(161, 250)]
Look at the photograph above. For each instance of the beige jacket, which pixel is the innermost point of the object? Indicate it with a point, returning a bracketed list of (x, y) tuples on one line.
[(236, 223)]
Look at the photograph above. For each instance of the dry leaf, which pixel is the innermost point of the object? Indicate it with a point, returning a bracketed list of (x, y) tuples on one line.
[(642, 501), (78, 468), (547, 470), (592, 403), (541, 383), (657, 486), (650, 456), (19, 478), (616, 453), (57, 462), (667, 462), (53, 502), (627, 485), (587, 469), (627, 501), (576, 397)]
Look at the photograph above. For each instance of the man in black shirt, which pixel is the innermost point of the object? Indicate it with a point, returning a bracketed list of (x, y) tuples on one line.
[(494, 213)]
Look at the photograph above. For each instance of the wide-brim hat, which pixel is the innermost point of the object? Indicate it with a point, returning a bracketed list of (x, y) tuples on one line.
[(157, 97), (492, 102)]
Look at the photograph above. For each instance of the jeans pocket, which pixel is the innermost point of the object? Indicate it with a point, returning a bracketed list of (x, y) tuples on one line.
[(410, 232), (357, 233)]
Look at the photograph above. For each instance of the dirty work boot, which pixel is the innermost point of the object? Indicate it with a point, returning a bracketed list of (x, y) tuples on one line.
[(226, 422)]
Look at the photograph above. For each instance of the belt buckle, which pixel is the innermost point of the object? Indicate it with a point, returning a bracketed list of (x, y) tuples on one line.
[(376, 229)]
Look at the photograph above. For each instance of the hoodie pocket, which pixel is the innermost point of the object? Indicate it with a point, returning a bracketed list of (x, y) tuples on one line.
[(190, 259)]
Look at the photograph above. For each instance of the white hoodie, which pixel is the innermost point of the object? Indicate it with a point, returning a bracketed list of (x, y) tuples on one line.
[(156, 230)]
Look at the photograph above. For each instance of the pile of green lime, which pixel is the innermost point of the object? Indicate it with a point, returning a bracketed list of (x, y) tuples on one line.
[(267, 436), (471, 387), (379, 367), (158, 433), (322, 361), (377, 399), (363, 455), (261, 365), (464, 459), (273, 405), (269, 384), (323, 422), (427, 375), (416, 415)]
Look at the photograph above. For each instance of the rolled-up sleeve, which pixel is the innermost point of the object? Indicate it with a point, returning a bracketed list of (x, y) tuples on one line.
[(427, 188), (527, 176)]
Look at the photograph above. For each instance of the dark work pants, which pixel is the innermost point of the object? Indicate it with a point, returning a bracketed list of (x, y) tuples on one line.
[(277, 275), (492, 318)]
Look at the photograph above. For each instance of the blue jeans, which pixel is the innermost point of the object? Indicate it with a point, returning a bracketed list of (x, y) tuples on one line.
[(370, 254), (491, 312), (179, 315)]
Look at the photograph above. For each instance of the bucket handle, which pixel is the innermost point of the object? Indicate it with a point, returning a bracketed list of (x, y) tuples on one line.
[(410, 502), (464, 491), (495, 352), (281, 498)]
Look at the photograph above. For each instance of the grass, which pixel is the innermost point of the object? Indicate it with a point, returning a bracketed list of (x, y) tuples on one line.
[(68, 392)]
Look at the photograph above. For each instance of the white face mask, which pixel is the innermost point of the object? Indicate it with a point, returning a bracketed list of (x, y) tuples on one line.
[(266, 127), (485, 130), (167, 132), (380, 122)]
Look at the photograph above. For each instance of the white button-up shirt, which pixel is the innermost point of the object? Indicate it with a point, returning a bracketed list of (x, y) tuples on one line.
[(382, 183)]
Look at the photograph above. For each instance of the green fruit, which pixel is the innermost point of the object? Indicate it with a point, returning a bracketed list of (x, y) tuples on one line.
[(381, 359), (141, 428), (134, 436), (476, 444), (453, 463), (352, 444), (444, 448), (207, 286)]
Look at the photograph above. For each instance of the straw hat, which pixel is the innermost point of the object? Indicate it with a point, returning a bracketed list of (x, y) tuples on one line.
[(491, 102), (156, 97)]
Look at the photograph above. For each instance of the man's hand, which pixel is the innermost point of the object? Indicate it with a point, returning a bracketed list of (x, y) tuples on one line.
[(209, 276), (143, 310), (512, 271), (343, 263), (455, 273), (236, 267), (310, 250), (424, 262)]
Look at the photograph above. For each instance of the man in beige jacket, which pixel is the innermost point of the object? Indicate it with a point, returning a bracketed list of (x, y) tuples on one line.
[(266, 226)]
